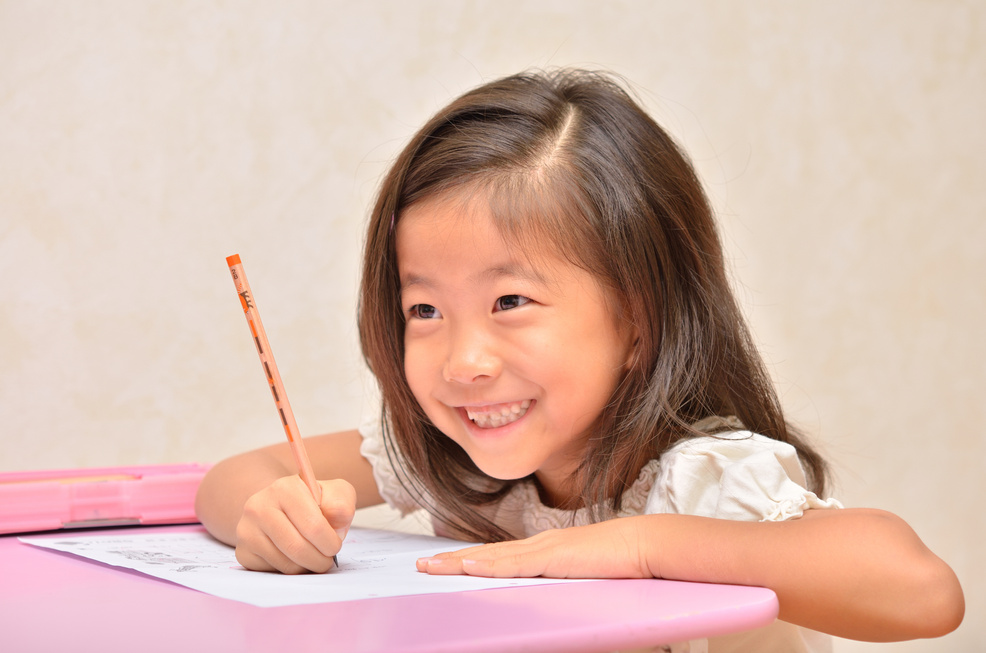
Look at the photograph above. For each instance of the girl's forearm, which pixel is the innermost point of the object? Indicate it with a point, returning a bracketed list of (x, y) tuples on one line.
[(861, 574)]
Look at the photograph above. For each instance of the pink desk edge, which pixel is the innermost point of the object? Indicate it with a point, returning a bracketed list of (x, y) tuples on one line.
[(52, 601)]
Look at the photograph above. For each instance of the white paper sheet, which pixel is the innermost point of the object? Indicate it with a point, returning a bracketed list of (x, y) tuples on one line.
[(373, 563)]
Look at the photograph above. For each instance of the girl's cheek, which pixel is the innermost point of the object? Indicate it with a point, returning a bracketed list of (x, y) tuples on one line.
[(418, 369)]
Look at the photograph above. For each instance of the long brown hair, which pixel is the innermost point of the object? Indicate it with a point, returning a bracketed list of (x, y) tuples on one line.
[(569, 158)]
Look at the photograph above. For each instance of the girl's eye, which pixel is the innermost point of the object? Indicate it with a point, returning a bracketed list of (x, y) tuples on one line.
[(424, 312), (508, 302)]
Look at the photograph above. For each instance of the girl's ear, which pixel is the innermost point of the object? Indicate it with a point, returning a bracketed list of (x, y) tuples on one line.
[(631, 336)]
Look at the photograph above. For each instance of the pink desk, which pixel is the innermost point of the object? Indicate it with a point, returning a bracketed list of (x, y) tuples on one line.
[(52, 601)]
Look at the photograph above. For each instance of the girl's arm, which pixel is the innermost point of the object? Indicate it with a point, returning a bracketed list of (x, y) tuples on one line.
[(861, 574), (256, 502)]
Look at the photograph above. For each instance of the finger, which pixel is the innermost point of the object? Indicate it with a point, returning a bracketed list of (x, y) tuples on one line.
[(438, 566), (449, 562), (320, 542), (510, 567), (338, 506), (311, 522), (256, 551), (548, 554), (502, 560), (268, 531), (270, 560), (524, 564), (294, 546), (602, 550)]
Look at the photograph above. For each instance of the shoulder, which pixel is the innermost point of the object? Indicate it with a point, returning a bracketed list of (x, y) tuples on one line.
[(716, 453), (733, 475)]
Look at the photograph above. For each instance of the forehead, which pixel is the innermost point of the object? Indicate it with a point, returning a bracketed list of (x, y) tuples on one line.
[(446, 218), (462, 228)]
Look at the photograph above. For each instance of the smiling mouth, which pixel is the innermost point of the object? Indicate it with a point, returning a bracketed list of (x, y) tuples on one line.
[(491, 417)]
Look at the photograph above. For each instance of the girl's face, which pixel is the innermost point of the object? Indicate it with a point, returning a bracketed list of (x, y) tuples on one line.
[(513, 357)]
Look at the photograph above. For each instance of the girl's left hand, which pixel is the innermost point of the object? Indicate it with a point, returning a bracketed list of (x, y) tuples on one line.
[(609, 549)]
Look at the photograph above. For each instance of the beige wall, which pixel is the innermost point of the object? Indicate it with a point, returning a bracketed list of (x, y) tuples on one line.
[(141, 143)]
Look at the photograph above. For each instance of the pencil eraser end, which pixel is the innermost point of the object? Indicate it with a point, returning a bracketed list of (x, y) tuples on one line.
[(233, 260)]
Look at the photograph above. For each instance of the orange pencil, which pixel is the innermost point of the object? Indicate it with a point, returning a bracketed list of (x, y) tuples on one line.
[(273, 376)]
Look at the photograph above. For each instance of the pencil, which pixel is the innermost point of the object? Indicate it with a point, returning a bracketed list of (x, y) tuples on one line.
[(273, 376)]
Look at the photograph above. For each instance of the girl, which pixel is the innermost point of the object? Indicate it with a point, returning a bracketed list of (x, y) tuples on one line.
[(566, 375)]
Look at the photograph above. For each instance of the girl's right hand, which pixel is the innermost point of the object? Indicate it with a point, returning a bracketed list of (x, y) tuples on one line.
[(283, 529)]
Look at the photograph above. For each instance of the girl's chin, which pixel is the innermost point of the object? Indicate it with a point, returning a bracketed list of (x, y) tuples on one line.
[(502, 470), (495, 451)]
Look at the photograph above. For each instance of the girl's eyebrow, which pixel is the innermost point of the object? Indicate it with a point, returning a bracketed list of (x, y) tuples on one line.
[(515, 271), (489, 275)]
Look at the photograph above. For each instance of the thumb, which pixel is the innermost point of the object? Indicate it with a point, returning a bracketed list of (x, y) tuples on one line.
[(338, 505), (316, 488)]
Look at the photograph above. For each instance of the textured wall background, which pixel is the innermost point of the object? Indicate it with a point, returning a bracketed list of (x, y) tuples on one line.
[(142, 142)]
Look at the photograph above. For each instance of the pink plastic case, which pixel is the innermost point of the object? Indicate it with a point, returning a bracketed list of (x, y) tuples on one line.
[(103, 496)]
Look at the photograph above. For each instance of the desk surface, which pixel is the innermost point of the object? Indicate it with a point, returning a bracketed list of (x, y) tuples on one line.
[(56, 601)]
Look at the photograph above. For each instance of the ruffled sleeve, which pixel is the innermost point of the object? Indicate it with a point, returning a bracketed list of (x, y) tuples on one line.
[(736, 475), (388, 484)]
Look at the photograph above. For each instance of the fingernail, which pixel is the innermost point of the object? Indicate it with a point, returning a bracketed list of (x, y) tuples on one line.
[(342, 533)]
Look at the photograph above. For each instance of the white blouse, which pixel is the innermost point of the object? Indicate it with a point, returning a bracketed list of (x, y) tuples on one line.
[(735, 475)]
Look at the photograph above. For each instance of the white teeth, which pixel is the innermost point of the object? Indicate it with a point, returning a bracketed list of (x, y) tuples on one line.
[(501, 415)]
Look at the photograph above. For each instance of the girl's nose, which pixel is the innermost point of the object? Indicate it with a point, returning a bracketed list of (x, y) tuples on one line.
[(471, 357)]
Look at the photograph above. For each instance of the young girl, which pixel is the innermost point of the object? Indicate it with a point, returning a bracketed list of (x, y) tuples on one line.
[(566, 375)]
